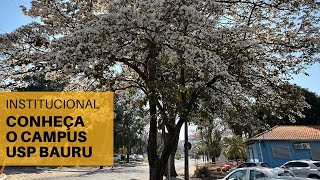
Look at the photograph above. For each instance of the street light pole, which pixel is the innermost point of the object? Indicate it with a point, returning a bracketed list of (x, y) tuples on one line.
[(186, 156)]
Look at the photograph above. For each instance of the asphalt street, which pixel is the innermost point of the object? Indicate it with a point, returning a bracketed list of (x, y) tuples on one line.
[(130, 171), (134, 172)]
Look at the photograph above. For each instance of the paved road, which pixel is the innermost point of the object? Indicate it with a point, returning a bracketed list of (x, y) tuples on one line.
[(139, 172), (128, 172)]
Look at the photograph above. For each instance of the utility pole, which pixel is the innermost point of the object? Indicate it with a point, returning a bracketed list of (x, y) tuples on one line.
[(186, 155)]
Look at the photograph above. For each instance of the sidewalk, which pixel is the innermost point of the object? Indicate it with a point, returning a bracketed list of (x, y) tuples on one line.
[(192, 168), (121, 171), (32, 172), (26, 173), (180, 173), (3, 176)]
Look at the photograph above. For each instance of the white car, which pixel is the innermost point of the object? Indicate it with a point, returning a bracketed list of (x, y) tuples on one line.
[(139, 157), (304, 168), (250, 173), (116, 158), (132, 157)]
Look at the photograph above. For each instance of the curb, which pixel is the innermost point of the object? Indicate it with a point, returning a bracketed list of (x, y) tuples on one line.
[(3, 176)]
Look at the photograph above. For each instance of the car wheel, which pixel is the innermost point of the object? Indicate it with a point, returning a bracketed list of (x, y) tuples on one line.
[(313, 176)]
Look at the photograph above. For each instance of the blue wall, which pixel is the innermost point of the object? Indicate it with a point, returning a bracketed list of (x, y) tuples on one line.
[(254, 153)]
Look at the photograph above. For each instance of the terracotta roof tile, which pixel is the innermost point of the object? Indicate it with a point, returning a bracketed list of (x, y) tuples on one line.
[(290, 133)]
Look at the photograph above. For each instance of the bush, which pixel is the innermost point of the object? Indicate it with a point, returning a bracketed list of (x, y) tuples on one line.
[(178, 156), (202, 172)]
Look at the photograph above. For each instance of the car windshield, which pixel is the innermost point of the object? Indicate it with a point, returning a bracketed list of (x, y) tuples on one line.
[(264, 165), (247, 165), (317, 164)]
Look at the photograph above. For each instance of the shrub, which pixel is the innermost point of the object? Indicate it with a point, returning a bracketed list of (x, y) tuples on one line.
[(178, 156), (202, 172)]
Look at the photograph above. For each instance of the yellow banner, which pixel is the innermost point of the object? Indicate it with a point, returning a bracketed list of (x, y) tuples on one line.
[(56, 128)]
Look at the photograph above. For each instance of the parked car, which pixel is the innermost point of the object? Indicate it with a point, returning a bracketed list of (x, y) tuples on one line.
[(250, 173), (304, 168), (139, 157), (132, 157), (116, 158)]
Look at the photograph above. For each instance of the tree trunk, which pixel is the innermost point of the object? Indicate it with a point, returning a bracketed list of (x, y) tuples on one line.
[(128, 152), (128, 148), (127, 159), (153, 158), (169, 137), (158, 165), (173, 171)]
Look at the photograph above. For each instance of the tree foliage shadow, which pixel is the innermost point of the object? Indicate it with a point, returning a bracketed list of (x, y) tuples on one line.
[(25, 169)]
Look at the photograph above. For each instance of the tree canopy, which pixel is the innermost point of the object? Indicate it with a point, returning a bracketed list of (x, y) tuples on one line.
[(311, 113), (40, 83), (185, 56)]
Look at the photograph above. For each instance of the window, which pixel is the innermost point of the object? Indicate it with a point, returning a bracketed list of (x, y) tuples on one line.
[(281, 152), (315, 153), (288, 165), (238, 175), (256, 175), (317, 164), (301, 164), (296, 164), (247, 165), (253, 165)]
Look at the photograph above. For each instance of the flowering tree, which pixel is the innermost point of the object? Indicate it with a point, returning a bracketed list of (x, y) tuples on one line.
[(183, 55)]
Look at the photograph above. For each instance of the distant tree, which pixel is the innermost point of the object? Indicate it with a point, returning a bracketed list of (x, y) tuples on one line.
[(267, 119), (262, 119), (234, 147), (312, 114), (211, 139), (129, 127)]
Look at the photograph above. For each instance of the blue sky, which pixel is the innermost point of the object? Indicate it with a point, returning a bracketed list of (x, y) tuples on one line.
[(12, 18)]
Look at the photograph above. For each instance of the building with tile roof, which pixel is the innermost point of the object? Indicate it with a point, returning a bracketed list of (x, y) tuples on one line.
[(283, 143)]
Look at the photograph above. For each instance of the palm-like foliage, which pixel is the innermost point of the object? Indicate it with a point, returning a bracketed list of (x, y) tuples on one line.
[(234, 147)]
